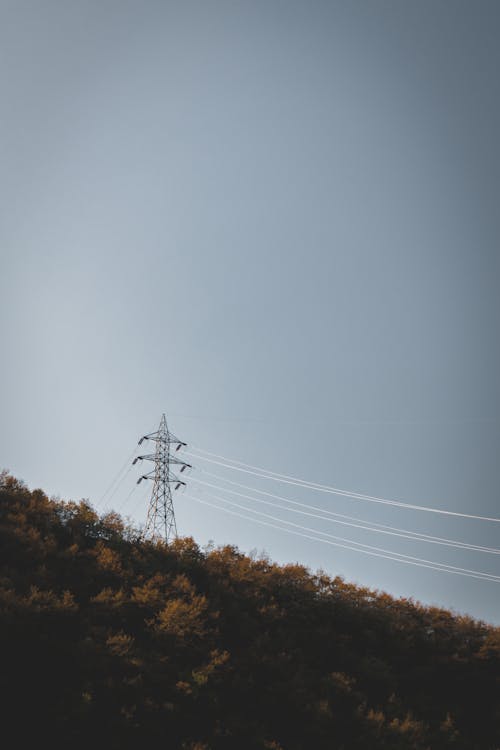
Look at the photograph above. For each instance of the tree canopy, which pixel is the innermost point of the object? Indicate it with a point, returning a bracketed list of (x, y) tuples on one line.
[(113, 641)]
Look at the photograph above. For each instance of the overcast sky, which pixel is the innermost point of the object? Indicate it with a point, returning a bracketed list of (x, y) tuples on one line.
[(277, 222)]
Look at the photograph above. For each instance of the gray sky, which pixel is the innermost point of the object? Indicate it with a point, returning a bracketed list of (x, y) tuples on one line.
[(277, 222)]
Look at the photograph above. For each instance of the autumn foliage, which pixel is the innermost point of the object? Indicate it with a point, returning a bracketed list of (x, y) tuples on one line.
[(109, 641)]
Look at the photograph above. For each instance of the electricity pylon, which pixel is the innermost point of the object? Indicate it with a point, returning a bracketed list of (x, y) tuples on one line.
[(160, 522)]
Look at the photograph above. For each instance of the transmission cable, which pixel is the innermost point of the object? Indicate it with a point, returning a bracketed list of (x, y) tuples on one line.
[(120, 507), (344, 546), (366, 548), (117, 475), (284, 478), (467, 545), (364, 525)]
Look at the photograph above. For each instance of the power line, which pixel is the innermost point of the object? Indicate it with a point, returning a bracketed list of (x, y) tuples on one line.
[(360, 544), (117, 475), (364, 525), (161, 515), (478, 547), (394, 556), (286, 479), (120, 506)]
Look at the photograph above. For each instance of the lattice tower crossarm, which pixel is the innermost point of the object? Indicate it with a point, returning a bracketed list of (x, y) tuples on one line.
[(160, 521)]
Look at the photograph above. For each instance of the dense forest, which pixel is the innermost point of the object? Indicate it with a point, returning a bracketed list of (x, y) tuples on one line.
[(110, 641)]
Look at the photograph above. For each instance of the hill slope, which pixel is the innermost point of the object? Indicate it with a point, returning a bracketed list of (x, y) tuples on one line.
[(111, 641)]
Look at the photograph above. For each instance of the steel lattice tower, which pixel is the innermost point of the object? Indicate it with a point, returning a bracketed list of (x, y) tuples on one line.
[(160, 522)]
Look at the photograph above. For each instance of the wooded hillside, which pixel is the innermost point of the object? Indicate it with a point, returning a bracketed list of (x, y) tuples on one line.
[(108, 641)]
